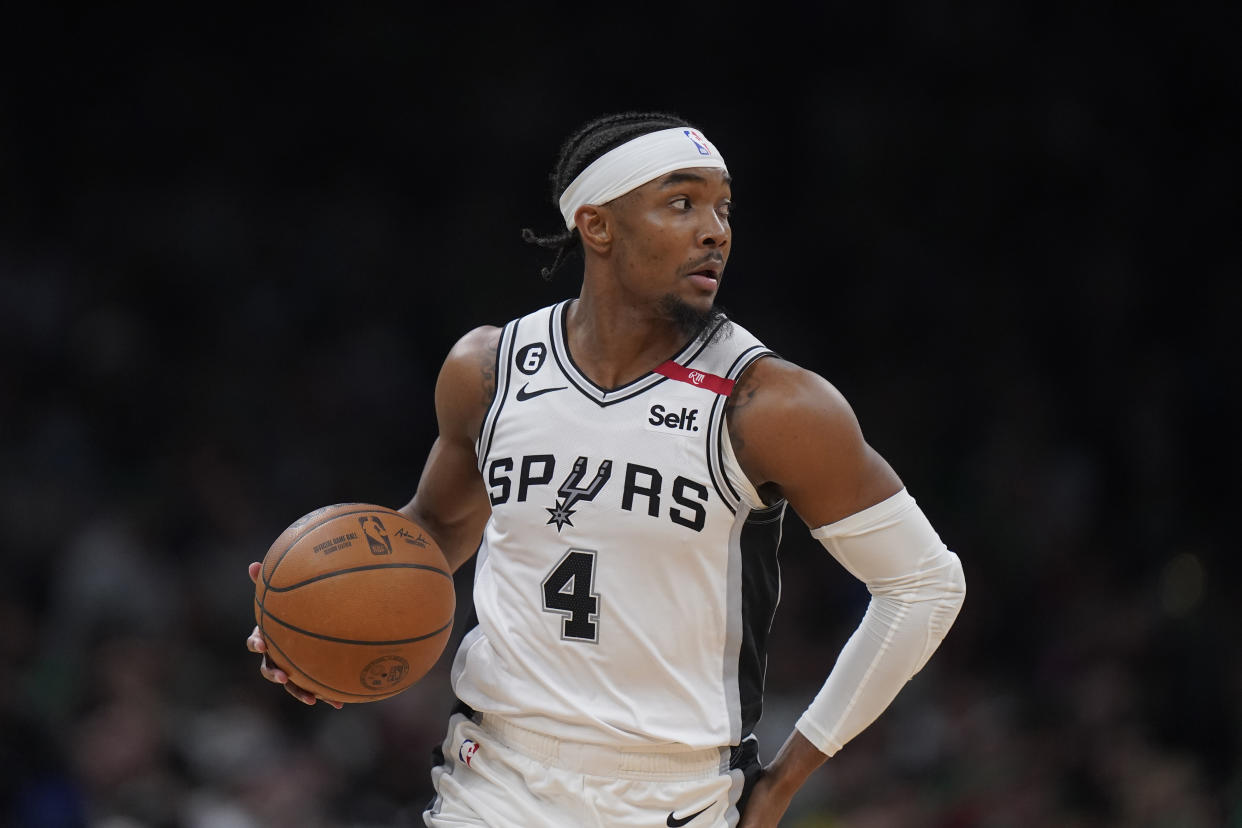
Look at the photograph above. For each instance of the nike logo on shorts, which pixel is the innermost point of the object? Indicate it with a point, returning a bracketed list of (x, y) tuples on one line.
[(675, 822), (523, 394)]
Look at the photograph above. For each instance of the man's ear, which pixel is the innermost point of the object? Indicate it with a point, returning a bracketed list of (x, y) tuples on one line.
[(594, 223)]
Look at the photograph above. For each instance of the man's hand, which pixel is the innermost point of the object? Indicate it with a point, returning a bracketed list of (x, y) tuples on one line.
[(765, 806), (781, 779), (256, 644)]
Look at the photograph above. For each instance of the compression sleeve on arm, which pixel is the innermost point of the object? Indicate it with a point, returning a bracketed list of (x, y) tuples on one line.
[(917, 588)]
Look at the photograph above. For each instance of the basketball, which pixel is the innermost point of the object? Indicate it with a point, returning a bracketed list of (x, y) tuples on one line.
[(355, 602)]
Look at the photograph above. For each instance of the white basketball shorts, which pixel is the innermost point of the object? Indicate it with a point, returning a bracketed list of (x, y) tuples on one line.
[(499, 775)]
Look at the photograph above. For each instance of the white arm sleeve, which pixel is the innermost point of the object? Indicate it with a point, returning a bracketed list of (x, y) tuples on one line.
[(917, 587)]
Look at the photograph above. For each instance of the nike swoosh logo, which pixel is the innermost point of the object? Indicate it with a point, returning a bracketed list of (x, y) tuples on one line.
[(674, 822), (523, 394)]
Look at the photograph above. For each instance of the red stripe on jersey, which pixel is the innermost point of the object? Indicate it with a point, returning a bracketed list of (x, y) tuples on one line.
[(699, 379)]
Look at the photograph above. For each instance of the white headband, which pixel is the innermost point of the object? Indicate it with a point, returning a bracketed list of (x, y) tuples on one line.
[(636, 162)]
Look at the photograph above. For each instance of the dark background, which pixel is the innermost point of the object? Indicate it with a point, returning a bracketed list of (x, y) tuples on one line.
[(235, 247)]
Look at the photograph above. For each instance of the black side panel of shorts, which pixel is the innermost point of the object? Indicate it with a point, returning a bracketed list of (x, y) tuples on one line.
[(745, 757)]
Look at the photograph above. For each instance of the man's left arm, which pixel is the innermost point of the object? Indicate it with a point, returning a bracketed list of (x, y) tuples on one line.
[(796, 437)]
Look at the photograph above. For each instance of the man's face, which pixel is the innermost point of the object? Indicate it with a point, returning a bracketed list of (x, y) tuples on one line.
[(673, 239)]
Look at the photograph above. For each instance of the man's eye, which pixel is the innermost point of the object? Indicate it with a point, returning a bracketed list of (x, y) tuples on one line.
[(682, 203), (726, 209)]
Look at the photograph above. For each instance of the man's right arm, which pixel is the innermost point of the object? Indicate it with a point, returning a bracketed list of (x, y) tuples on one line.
[(451, 501)]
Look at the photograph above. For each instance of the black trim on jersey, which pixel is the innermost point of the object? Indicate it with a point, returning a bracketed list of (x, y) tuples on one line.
[(717, 427), (559, 337), (761, 592), (508, 336), (715, 466)]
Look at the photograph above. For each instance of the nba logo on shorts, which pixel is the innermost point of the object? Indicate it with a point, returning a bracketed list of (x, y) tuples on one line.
[(467, 751), (700, 143)]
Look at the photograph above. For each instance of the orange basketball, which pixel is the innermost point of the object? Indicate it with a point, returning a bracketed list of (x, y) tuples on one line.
[(355, 602)]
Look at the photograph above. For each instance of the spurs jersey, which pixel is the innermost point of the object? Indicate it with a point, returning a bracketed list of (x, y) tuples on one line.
[(626, 580)]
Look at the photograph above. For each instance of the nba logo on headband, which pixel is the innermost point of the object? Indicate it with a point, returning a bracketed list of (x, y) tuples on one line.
[(700, 143)]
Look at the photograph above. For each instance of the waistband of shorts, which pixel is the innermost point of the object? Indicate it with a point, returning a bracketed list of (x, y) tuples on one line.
[(602, 760)]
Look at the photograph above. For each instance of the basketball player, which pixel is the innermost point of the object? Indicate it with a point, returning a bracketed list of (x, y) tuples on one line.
[(621, 463)]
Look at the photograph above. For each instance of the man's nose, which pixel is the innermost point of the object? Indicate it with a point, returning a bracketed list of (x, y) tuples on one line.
[(714, 232)]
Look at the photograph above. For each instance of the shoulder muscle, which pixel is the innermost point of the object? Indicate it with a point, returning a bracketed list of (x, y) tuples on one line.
[(467, 384), (793, 431)]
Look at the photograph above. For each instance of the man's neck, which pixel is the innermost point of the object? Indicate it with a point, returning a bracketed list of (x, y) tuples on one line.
[(614, 343)]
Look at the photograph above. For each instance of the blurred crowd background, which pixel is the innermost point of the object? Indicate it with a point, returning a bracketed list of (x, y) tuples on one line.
[(236, 246)]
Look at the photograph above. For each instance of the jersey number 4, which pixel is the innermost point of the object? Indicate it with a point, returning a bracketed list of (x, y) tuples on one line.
[(569, 590)]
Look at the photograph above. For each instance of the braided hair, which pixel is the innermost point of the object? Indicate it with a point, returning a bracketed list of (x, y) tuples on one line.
[(589, 142)]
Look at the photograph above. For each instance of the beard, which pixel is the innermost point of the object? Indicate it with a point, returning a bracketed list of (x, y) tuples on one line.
[(692, 322)]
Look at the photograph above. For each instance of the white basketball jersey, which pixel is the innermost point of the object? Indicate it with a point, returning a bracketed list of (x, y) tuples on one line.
[(626, 581)]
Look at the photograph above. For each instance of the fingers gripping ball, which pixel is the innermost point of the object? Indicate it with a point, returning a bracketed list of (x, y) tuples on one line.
[(355, 602)]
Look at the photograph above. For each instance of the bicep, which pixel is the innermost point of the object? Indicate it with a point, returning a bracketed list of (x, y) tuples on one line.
[(822, 491)]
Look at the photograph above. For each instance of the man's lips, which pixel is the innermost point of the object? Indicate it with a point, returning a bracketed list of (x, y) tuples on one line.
[(705, 278), (706, 273)]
